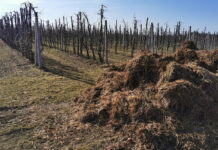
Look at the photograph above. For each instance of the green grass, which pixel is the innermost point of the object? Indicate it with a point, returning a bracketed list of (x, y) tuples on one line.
[(35, 103), (23, 87)]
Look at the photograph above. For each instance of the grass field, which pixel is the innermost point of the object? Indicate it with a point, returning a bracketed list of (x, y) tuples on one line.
[(36, 109)]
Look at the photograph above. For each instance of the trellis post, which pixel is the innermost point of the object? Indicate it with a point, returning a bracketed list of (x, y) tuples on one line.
[(38, 57), (106, 43)]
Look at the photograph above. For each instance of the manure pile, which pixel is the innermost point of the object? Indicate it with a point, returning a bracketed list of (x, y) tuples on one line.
[(158, 102)]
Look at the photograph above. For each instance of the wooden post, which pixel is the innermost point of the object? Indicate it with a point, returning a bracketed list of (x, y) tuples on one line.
[(152, 37), (106, 43), (157, 38), (116, 38), (146, 35), (189, 33), (36, 43), (134, 37), (38, 58)]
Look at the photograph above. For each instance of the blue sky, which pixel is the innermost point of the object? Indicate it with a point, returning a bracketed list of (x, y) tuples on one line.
[(198, 13)]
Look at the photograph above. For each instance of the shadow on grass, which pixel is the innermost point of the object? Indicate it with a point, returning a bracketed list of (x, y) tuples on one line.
[(17, 131), (55, 67), (12, 108)]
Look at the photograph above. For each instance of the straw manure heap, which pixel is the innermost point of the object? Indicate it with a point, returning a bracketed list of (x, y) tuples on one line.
[(158, 101)]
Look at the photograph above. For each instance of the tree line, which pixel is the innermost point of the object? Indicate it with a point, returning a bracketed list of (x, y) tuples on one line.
[(76, 36), (17, 31), (79, 37)]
